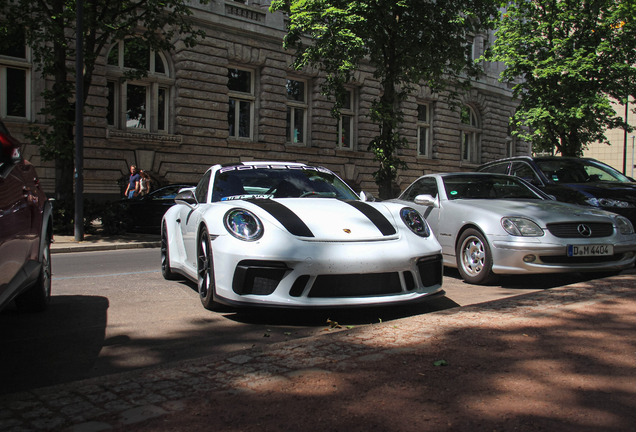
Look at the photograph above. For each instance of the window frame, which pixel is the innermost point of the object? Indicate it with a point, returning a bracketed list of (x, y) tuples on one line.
[(470, 152), (511, 143), (292, 107), (424, 125), (350, 113), (470, 47), (19, 63), (239, 97)]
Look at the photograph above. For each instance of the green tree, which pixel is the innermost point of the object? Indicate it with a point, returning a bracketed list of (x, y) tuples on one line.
[(406, 41), (48, 27), (568, 59)]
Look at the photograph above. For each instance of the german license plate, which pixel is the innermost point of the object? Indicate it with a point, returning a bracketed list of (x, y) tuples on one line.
[(590, 250)]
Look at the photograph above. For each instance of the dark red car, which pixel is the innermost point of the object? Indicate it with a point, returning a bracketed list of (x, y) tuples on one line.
[(26, 231)]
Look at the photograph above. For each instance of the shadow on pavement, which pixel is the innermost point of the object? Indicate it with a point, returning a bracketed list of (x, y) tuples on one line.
[(42, 349)]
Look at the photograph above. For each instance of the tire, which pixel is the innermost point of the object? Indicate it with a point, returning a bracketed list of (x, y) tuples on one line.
[(166, 271), (474, 259), (38, 297), (205, 272)]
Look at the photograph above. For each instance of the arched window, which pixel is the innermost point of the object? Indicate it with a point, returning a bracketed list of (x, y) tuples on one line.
[(470, 135), (140, 103), (15, 79)]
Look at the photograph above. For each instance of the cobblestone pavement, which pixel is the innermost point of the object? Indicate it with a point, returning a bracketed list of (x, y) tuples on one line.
[(136, 397)]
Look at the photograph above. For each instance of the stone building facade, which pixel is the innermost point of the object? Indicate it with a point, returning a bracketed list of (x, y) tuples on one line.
[(233, 97)]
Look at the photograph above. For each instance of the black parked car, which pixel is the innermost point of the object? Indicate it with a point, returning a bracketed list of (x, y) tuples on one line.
[(584, 181), (147, 211)]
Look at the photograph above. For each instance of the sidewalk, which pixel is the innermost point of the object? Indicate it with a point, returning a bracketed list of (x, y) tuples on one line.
[(65, 244), (562, 359)]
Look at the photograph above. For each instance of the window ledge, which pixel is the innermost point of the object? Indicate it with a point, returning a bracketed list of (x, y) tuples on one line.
[(164, 139)]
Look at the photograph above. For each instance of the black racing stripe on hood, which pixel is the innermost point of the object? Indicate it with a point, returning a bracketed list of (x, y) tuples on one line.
[(378, 219), (285, 216)]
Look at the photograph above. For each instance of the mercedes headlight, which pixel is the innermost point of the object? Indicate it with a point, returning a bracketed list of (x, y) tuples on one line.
[(414, 220), (608, 202), (518, 226), (624, 225), (243, 224)]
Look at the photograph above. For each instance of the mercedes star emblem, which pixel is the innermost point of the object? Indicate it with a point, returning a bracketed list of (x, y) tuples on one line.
[(584, 230)]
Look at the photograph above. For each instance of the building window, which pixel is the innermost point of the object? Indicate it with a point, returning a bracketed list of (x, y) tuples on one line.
[(470, 135), (240, 113), (424, 130), (345, 123), (139, 103), (511, 143), (15, 79), (296, 112), (470, 48)]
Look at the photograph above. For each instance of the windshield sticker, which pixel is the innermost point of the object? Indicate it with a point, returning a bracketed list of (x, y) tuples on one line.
[(277, 166), (453, 192), (248, 196)]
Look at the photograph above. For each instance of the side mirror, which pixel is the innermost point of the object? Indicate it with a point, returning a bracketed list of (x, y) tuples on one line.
[(186, 197), (366, 196), (426, 200), (10, 149)]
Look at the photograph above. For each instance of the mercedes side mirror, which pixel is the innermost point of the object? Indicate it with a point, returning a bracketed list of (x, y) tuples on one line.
[(426, 200)]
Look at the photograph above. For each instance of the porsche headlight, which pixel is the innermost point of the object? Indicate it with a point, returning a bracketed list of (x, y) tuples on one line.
[(415, 222), (518, 226), (624, 225), (243, 224), (608, 202)]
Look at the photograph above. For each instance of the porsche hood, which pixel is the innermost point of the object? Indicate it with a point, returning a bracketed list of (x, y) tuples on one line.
[(324, 219)]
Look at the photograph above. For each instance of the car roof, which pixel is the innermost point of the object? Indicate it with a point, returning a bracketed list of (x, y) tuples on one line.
[(537, 159), (466, 174), (254, 163)]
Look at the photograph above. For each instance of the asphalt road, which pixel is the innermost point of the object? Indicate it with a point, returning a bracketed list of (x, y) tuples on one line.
[(112, 312)]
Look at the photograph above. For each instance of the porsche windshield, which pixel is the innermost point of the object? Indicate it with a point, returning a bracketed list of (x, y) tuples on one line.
[(487, 187), (253, 181)]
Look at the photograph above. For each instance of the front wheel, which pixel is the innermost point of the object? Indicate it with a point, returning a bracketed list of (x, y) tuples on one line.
[(38, 297), (205, 271), (474, 259)]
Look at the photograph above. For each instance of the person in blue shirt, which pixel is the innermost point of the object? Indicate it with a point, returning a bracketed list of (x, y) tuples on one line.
[(133, 183)]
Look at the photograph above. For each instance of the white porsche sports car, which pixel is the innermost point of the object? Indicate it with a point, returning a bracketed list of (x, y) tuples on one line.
[(291, 235)]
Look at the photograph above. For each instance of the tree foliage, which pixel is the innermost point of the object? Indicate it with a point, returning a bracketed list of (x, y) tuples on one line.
[(49, 28), (569, 59), (406, 41)]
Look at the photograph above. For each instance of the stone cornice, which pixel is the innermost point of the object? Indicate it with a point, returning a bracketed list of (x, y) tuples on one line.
[(163, 139)]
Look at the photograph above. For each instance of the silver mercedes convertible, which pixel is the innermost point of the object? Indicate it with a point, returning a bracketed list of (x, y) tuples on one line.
[(491, 224)]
